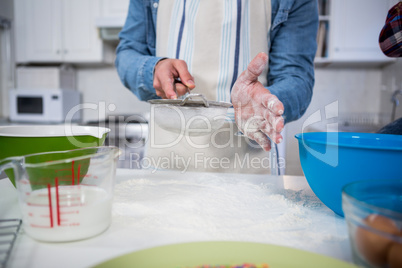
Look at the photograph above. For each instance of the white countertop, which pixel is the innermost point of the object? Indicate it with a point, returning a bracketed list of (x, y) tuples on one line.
[(166, 207)]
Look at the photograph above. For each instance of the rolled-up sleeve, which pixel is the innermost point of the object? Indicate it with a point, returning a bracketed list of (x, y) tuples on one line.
[(135, 61)]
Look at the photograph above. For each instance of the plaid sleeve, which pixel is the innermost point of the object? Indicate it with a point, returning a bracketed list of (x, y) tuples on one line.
[(391, 34)]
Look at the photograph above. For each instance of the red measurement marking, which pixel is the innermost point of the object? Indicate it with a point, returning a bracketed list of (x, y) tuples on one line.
[(36, 205), (27, 193), (70, 212), (78, 174), (39, 226), (56, 184), (90, 176), (70, 224), (72, 172), (41, 181), (30, 214), (50, 205)]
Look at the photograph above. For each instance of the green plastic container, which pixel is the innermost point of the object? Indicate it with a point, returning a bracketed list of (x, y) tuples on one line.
[(20, 140)]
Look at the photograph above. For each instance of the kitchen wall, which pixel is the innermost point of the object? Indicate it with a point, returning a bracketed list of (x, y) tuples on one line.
[(101, 86), (363, 96), (391, 81), (355, 92)]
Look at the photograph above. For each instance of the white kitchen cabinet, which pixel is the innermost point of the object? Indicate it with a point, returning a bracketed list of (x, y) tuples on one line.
[(114, 8), (112, 18), (58, 31), (81, 39), (349, 30), (43, 35)]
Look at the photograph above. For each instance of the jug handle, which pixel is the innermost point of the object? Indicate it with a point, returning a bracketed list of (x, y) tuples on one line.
[(13, 163)]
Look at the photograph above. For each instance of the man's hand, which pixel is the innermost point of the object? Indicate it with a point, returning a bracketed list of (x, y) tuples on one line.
[(258, 113), (172, 78)]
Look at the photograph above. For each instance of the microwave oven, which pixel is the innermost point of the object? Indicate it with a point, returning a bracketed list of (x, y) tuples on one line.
[(44, 105)]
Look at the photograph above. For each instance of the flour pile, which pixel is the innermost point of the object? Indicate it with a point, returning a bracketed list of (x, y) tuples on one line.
[(221, 208)]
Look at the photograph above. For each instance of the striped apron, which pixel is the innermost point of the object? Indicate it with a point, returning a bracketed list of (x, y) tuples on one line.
[(217, 39)]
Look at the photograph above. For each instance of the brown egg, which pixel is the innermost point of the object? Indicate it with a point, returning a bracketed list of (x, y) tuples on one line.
[(373, 247), (394, 257)]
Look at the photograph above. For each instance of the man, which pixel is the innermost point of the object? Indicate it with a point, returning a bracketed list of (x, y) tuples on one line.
[(209, 45)]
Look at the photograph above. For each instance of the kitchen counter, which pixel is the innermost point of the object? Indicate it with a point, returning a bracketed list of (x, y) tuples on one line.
[(167, 207)]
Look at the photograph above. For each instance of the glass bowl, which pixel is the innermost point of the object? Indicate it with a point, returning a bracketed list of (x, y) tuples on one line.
[(373, 212)]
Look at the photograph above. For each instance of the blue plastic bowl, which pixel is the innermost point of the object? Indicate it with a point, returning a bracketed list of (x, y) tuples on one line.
[(331, 160)]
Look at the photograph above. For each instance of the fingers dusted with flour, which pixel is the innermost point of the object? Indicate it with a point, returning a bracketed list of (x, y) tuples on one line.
[(258, 113)]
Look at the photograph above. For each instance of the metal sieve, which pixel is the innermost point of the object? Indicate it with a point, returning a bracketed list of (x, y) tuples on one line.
[(193, 115)]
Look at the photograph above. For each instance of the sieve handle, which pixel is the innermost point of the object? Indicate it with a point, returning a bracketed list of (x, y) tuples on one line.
[(195, 95)]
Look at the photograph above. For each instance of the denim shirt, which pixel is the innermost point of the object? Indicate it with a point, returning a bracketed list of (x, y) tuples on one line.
[(292, 49)]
